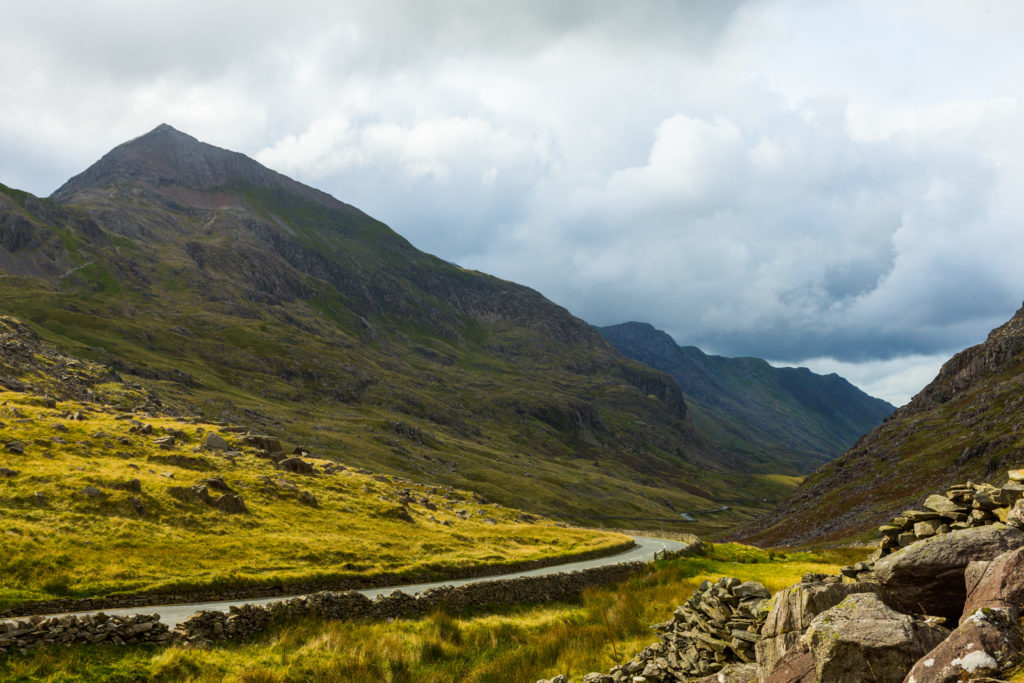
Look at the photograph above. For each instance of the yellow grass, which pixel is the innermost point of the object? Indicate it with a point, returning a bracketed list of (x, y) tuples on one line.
[(74, 545)]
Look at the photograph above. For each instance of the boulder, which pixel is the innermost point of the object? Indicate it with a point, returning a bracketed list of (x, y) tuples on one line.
[(796, 666), (927, 577), (792, 611), (5, 472), (996, 583), (862, 639), (16, 447), (296, 465), (271, 444), (215, 442), (230, 503), (986, 643), (91, 491)]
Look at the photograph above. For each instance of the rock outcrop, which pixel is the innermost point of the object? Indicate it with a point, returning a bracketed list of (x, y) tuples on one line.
[(987, 643)]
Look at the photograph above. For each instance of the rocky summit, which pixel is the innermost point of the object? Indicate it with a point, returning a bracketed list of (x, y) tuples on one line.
[(234, 292)]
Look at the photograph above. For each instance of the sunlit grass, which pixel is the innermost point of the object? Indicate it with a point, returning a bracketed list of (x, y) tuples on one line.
[(71, 544), (521, 643)]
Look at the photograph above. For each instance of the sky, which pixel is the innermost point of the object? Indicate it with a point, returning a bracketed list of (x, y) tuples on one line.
[(830, 184)]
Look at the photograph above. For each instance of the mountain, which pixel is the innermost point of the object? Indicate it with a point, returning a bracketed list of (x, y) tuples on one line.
[(966, 424), (235, 293), (780, 419)]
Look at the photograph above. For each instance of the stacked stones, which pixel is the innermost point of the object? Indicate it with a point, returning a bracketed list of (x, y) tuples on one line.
[(719, 625), (963, 506), (205, 627), (93, 628)]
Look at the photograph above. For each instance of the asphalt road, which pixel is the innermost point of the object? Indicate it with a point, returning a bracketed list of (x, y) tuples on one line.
[(172, 615)]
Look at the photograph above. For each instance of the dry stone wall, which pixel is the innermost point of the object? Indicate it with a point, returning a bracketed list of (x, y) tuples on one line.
[(20, 636), (238, 622), (207, 627), (149, 599)]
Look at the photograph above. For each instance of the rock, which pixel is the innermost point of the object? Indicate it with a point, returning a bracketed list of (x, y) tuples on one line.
[(1016, 475), (1015, 517), (136, 505), (1011, 493), (91, 491), (997, 583), (164, 442), (217, 484), (943, 505), (861, 639), (928, 576), (215, 442), (792, 611), (796, 666), (733, 673), (16, 447), (986, 643), (308, 498), (271, 444), (296, 466), (230, 503), (927, 528), (6, 473), (39, 499)]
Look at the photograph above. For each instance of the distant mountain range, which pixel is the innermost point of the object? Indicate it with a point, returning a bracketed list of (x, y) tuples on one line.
[(966, 424), (228, 290), (778, 419)]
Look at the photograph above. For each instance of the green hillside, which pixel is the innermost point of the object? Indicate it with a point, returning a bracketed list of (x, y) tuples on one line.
[(239, 295), (779, 419)]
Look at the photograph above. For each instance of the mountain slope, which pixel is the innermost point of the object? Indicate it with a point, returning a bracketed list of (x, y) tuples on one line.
[(966, 424), (782, 419), (237, 293)]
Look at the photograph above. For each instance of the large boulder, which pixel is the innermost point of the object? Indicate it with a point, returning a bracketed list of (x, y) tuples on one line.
[(985, 644), (927, 577), (215, 442), (995, 583), (862, 639), (791, 613)]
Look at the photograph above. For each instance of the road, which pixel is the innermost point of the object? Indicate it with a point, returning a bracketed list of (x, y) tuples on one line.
[(172, 615)]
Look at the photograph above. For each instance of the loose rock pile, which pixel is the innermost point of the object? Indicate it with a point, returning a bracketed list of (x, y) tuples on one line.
[(717, 626), (963, 506), (94, 628)]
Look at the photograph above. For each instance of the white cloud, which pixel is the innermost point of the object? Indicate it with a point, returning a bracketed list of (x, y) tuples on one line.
[(781, 178)]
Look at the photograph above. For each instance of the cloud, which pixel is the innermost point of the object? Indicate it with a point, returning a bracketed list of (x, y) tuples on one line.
[(774, 178)]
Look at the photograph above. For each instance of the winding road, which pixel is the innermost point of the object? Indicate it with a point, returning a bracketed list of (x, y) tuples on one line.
[(172, 615)]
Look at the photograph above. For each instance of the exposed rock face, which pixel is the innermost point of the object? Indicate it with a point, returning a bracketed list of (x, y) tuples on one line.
[(998, 583), (792, 611), (861, 639), (987, 643), (928, 576)]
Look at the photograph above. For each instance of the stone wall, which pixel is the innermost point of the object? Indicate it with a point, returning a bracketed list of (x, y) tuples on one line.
[(19, 636), (246, 620), (267, 591), (205, 627)]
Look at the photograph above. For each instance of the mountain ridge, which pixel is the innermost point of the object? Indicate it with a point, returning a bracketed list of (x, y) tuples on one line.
[(305, 315), (786, 417)]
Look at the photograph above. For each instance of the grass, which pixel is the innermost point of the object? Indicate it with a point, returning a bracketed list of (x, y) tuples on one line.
[(76, 545), (520, 643)]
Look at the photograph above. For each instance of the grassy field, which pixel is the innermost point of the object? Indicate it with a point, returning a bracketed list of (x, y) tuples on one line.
[(522, 643), (92, 510)]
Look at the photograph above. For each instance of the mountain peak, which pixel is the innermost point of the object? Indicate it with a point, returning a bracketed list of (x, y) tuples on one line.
[(167, 156)]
